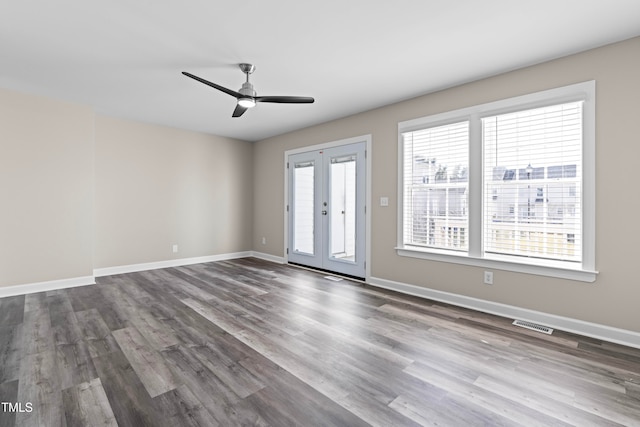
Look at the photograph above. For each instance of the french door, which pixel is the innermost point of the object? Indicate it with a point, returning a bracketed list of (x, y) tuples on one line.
[(327, 209)]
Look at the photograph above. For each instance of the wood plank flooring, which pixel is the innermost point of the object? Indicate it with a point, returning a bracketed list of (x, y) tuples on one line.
[(252, 343)]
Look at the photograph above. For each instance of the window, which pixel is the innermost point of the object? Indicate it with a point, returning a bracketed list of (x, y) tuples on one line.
[(551, 139), (436, 178), (506, 185)]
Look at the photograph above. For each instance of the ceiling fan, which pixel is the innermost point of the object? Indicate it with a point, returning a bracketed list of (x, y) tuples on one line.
[(247, 96)]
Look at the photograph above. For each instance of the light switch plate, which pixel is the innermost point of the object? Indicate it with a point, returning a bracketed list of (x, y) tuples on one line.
[(384, 201)]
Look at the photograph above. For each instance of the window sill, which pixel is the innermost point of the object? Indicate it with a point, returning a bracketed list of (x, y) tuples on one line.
[(537, 267)]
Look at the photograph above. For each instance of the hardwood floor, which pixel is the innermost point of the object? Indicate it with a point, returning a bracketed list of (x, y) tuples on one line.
[(252, 343)]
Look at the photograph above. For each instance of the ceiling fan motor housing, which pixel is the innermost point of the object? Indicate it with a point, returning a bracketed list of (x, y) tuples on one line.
[(247, 90)]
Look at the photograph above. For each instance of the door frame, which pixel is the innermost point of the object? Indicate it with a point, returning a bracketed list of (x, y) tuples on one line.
[(367, 217)]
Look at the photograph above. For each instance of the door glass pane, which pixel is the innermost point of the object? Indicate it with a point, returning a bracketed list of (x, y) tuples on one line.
[(303, 210), (343, 208)]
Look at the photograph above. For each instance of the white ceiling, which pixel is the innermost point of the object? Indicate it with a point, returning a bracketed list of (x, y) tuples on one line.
[(124, 58)]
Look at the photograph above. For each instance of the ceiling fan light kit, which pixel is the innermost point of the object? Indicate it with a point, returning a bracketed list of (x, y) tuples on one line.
[(246, 102), (247, 96)]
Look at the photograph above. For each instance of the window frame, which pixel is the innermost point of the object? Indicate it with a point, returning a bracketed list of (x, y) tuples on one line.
[(475, 256)]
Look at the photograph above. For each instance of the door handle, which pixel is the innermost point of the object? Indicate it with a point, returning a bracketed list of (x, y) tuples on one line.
[(324, 212)]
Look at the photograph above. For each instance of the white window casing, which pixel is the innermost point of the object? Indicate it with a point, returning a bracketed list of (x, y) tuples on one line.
[(525, 199)]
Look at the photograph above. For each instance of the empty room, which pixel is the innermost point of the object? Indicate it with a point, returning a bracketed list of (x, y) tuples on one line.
[(324, 214)]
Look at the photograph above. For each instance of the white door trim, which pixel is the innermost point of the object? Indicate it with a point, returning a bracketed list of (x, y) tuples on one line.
[(368, 144)]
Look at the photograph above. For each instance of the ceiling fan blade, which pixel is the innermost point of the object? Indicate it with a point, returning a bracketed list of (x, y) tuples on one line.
[(285, 99), (239, 111), (213, 85)]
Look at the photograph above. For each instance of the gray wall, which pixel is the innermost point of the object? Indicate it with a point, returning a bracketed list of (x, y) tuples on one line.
[(46, 189), (611, 300), (157, 186), (81, 191)]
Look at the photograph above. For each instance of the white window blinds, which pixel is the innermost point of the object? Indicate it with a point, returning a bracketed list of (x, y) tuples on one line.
[(532, 179), (436, 166)]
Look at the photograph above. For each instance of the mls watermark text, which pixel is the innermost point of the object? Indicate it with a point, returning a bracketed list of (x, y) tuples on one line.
[(16, 406)]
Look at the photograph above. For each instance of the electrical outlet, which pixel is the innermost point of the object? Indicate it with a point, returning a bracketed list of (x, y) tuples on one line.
[(488, 277), (174, 248), (264, 240)]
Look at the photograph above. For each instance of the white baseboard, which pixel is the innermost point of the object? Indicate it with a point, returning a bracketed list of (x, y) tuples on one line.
[(132, 268), (30, 288), (51, 285), (593, 330), (267, 257)]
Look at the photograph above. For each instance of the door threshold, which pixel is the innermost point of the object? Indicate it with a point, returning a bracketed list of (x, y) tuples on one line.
[(333, 273)]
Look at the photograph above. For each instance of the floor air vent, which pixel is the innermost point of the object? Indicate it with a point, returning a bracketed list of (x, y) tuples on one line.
[(533, 326)]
